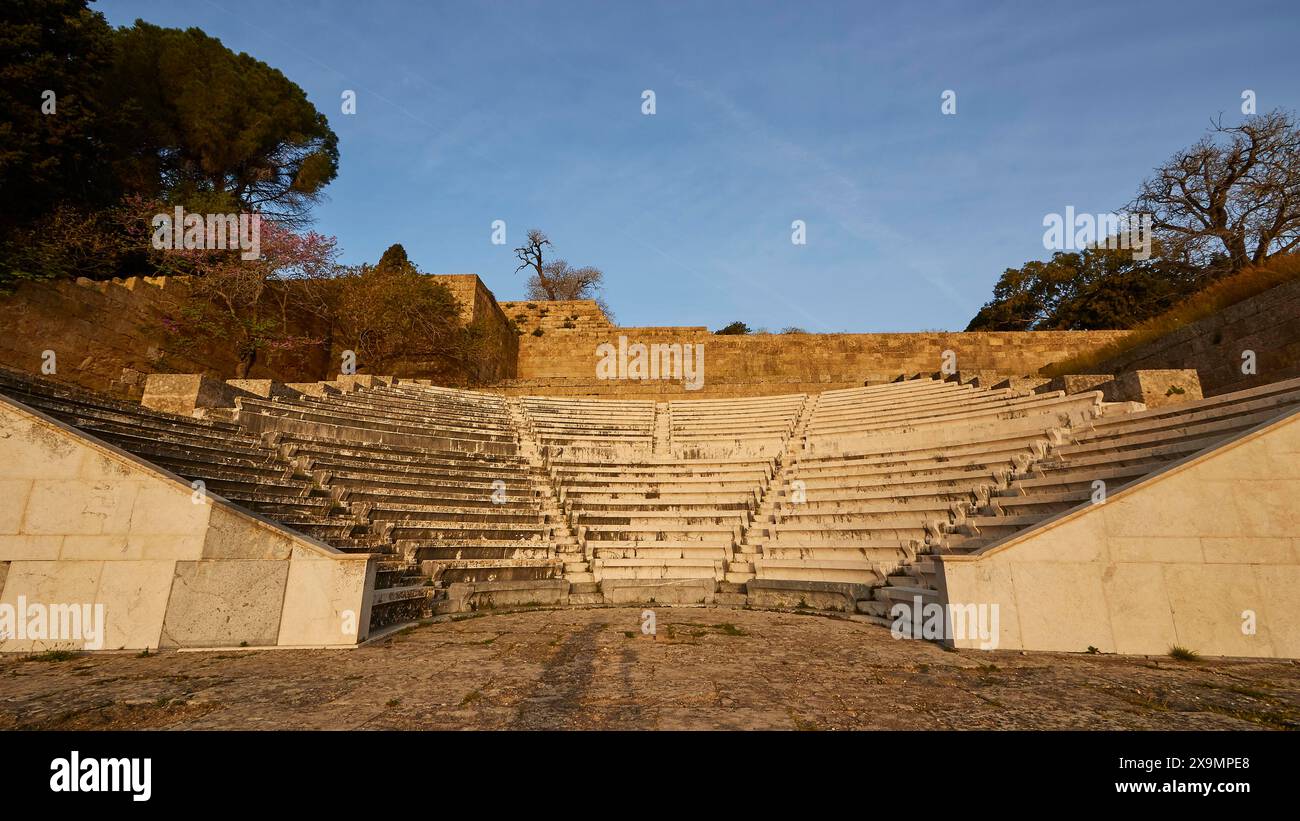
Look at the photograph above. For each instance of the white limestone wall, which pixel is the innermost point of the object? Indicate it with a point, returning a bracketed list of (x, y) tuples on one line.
[(84, 523), (1185, 558)]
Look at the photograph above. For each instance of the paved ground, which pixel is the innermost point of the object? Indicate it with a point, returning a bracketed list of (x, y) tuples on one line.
[(705, 668)]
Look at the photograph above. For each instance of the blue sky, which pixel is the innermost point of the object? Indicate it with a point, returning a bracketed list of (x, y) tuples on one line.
[(765, 113)]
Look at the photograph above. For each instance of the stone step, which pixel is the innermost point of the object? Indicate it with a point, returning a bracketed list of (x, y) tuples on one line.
[(342, 414), (890, 594), (652, 569), (396, 455), (414, 529), (467, 516), (821, 570), (872, 607), (672, 519)]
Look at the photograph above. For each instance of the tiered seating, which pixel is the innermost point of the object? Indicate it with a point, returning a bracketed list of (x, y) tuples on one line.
[(1119, 450), (881, 417), (574, 428), (856, 485), (750, 427), (432, 418), (654, 519), (234, 466), (907, 460), (464, 513)]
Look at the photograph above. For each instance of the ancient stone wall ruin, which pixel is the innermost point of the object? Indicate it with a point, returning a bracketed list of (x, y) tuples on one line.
[(562, 360), (109, 335)]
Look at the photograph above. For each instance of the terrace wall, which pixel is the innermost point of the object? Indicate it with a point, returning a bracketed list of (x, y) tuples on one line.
[(563, 361), (109, 335), (1267, 323)]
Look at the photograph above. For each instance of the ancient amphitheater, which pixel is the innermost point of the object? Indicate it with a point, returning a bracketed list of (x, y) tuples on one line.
[(1126, 513)]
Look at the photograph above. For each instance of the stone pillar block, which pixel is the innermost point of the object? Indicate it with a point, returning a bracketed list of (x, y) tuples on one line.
[(183, 393), (1155, 388)]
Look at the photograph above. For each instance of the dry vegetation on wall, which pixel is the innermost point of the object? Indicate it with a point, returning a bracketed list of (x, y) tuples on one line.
[(1228, 291)]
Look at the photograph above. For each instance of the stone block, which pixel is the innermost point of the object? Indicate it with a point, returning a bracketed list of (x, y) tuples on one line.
[(165, 508), (231, 535), (489, 595), (780, 593), (35, 448), (658, 591), (182, 393), (77, 507), (134, 595), (1155, 388), (50, 583), (263, 388), (1024, 384), (1062, 606), (1076, 383), (225, 603), (324, 602), (13, 502), (21, 547), (312, 388)]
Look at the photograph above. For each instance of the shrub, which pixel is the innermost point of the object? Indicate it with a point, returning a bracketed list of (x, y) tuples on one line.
[(1183, 654)]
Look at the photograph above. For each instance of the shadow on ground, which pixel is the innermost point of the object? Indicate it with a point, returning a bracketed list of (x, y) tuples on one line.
[(594, 669)]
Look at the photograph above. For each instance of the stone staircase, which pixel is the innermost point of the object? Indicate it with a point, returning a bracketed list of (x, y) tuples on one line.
[(662, 442), (577, 567), (751, 543)]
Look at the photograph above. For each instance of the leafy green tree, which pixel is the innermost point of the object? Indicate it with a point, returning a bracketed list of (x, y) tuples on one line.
[(93, 119), (53, 178), (214, 130), (734, 329), (1093, 289), (394, 258), (52, 54)]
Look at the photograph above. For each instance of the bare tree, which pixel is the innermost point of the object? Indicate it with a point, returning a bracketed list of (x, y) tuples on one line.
[(530, 256), (1231, 199), (564, 282), (557, 280)]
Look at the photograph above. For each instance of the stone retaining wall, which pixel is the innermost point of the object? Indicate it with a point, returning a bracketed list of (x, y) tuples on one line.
[(761, 364), (1267, 324), (108, 335)]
